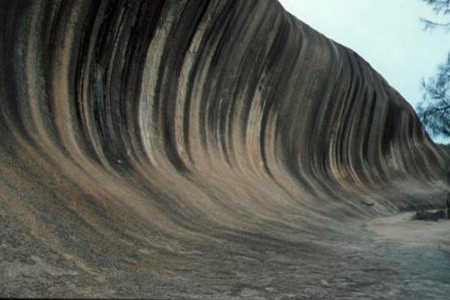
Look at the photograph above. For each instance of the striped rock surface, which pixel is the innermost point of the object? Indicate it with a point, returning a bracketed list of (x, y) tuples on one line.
[(137, 134)]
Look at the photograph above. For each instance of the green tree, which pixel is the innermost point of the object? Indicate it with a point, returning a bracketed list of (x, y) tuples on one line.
[(434, 110), (440, 7)]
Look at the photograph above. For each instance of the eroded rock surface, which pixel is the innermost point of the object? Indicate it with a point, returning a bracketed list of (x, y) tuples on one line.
[(195, 150)]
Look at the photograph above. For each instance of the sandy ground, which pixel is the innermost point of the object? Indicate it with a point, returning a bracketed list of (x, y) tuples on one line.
[(397, 259), (402, 229)]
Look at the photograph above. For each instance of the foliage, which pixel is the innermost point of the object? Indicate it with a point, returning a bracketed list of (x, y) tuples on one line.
[(430, 215), (434, 110), (440, 7)]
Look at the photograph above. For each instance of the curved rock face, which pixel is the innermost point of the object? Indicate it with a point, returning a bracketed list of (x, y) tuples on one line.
[(135, 130)]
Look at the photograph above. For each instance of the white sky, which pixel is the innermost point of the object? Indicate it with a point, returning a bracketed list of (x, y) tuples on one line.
[(386, 33)]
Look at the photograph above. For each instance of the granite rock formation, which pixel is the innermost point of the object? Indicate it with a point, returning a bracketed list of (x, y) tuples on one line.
[(139, 135)]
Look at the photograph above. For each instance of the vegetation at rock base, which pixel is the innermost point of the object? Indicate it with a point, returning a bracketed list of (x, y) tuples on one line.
[(431, 215)]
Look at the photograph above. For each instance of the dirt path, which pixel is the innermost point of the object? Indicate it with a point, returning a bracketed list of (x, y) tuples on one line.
[(401, 229), (388, 258)]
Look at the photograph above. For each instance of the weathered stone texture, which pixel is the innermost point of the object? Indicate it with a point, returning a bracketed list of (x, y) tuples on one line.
[(134, 133)]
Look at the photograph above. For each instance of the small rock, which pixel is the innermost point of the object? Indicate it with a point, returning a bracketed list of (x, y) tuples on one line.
[(324, 282)]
